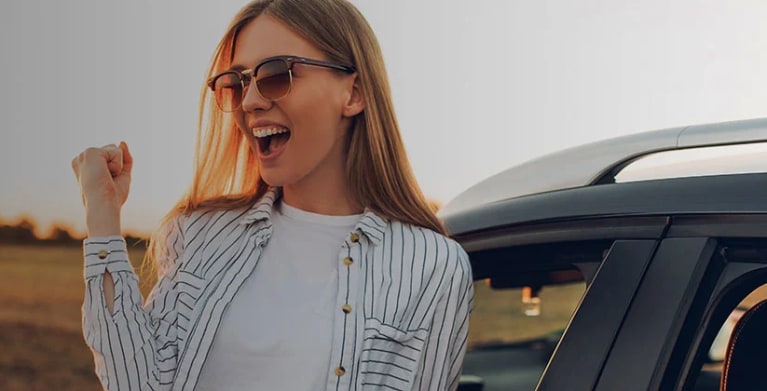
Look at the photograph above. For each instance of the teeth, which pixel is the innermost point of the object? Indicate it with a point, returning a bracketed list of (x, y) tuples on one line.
[(266, 132)]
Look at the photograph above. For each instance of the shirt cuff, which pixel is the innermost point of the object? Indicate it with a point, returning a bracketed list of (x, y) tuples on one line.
[(108, 253)]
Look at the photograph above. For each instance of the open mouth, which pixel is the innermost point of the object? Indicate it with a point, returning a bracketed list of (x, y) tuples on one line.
[(271, 140)]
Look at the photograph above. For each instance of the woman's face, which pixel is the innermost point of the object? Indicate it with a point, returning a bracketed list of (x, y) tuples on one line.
[(311, 120)]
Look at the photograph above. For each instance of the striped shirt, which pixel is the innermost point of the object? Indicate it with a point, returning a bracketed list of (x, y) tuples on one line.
[(404, 300)]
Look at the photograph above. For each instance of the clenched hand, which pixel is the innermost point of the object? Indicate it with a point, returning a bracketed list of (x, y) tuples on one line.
[(105, 176)]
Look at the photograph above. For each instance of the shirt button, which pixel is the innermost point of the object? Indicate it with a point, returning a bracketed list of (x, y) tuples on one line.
[(348, 261), (355, 237), (103, 254), (340, 371), (346, 308)]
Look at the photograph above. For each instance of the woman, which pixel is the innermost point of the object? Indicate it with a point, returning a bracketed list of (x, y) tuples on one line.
[(304, 256)]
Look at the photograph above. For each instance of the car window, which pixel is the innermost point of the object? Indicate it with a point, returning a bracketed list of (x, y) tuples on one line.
[(501, 316), (513, 332)]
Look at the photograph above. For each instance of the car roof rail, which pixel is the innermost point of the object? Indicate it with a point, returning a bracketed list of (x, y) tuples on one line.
[(598, 162)]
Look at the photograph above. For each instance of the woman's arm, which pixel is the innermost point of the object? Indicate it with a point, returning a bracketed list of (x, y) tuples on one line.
[(134, 347), (446, 347)]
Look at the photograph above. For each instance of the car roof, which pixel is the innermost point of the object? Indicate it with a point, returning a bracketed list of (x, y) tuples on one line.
[(513, 196)]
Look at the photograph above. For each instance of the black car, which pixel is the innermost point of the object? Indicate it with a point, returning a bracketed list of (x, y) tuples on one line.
[(619, 265)]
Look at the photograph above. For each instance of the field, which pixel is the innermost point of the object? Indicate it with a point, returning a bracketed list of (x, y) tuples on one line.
[(41, 292)]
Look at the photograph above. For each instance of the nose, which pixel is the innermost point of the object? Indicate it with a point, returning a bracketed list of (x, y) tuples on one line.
[(252, 100)]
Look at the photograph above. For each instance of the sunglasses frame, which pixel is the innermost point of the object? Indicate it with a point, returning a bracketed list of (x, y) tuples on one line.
[(246, 76)]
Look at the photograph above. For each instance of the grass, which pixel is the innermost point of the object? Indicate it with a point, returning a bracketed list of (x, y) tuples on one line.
[(41, 293)]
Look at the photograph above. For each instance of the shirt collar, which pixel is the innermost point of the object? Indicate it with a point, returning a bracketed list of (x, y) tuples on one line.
[(261, 211), (371, 225)]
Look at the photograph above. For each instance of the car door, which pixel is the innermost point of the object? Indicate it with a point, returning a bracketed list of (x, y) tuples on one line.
[(704, 266)]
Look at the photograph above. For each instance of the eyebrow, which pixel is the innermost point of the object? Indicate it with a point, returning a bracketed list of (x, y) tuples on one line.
[(238, 68), (241, 68)]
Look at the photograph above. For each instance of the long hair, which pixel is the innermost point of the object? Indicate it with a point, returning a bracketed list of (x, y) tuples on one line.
[(226, 172)]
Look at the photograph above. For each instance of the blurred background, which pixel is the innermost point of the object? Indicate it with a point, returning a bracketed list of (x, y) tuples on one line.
[(478, 87)]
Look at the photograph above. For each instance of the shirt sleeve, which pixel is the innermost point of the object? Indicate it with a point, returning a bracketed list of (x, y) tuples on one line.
[(446, 346), (135, 347)]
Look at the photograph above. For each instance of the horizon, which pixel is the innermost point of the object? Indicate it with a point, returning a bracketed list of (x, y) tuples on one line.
[(45, 231)]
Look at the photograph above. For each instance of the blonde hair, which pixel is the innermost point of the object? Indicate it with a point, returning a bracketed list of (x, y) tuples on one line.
[(226, 172)]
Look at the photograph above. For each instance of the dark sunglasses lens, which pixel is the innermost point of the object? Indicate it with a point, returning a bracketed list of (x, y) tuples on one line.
[(273, 79), (228, 90)]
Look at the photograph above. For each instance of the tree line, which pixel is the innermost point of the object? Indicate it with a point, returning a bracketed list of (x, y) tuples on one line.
[(24, 231)]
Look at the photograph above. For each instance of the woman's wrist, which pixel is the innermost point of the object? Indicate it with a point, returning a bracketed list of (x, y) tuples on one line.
[(102, 221)]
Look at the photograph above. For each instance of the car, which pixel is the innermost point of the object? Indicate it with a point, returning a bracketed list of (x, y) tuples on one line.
[(617, 265)]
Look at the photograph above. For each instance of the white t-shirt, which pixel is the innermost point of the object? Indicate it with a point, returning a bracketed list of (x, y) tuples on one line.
[(276, 333)]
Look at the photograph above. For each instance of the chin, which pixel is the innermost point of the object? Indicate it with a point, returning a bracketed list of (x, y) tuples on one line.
[(276, 179)]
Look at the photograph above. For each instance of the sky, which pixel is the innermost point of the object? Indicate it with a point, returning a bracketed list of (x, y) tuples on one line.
[(478, 86)]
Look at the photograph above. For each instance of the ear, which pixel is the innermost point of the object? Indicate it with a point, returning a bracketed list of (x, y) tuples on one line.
[(355, 102)]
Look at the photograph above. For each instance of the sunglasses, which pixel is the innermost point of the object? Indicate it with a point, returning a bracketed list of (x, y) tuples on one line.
[(273, 76)]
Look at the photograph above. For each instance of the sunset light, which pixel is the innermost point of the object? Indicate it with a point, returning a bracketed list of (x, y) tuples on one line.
[(477, 87)]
